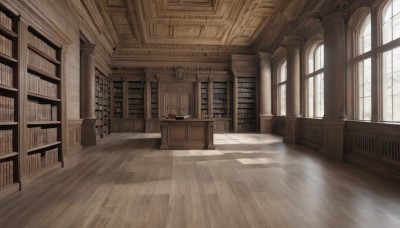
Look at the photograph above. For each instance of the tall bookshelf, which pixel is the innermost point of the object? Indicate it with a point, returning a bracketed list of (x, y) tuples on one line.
[(135, 100), (102, 110), (247, 103), (204, 99), (154, 100), (220, 99), (9, 87), (118, 99), (43, 133)]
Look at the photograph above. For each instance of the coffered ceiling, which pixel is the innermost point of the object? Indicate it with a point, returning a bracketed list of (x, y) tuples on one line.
[(189, 30), (216, 22)]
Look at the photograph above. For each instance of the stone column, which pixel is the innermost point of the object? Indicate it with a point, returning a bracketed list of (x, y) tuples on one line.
[(88, 94), (292, 44), (265, 93), (334, 80)]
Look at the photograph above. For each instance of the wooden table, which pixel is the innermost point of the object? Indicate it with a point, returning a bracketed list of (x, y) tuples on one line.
[(187, 134)]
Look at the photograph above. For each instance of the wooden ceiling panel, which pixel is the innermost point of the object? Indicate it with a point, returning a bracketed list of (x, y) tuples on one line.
[(115, 3), (194, 22), (190, 31)]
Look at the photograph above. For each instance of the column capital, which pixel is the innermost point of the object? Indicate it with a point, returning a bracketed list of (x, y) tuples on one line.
[(88, 48), (334, 9), (292, 41), (264, 57)]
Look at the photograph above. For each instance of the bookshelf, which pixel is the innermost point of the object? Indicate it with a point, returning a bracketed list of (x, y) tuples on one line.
[(9, 88), (118, 99), (204, 99), (44, 122), (102, 103), (135, 100), (247, 103), (154, 100), (220, 99)]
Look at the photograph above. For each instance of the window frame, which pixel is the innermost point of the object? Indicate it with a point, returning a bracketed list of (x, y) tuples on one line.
[(312, 74), (358, 59), (280, 84), (381, 49)]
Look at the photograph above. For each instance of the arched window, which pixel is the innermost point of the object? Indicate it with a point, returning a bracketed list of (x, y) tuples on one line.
[(391, 61), (315, 82), (282, 77), (364, 70)]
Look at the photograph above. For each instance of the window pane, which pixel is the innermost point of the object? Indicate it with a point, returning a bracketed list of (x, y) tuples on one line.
[(311, 63), (364, 91), (319, 81), (283, 72), (311, 97), (282, 96), (387, 23), (391, 77), (319, 57), (365, 36)]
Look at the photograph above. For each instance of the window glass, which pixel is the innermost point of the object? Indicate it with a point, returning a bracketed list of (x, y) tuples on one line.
[(365, 36)]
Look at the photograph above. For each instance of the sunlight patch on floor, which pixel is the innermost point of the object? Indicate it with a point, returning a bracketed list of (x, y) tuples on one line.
[(254, 161)]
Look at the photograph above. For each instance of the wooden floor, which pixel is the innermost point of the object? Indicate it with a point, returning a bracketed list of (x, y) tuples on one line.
[(250, 180)]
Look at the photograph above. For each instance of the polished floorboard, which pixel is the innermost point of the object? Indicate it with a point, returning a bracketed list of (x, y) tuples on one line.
[(250, 180)]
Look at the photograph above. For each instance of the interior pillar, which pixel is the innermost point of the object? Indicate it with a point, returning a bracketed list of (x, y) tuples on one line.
[(292, 44), (334, 83), (88, 94), (265, 93)]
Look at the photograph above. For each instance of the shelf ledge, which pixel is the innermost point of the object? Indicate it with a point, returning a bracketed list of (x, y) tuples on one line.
[(45, 146)]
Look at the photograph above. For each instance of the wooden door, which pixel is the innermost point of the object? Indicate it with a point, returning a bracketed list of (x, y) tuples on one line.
[(179, 99)]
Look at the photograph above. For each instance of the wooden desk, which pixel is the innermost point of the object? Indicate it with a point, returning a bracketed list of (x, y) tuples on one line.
[(187, 134)]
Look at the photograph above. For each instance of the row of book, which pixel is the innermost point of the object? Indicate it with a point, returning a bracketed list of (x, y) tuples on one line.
[(6, 46), (7, 109), (246, 115), (135, 106), (250, 105), (42, 87), (37, 136), (247, 85), (6, 75), (247, 90), (5, 21), (251, 79), (41, 112), (36, 162), (6, 173), (247, 110), (252, 120), (219, 96), (42, 46), (246, 100), (41, 63), (221, 85), (136, 96), (218, 116), (6, 142), (136, 102), (133, 116), (221, 91)]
